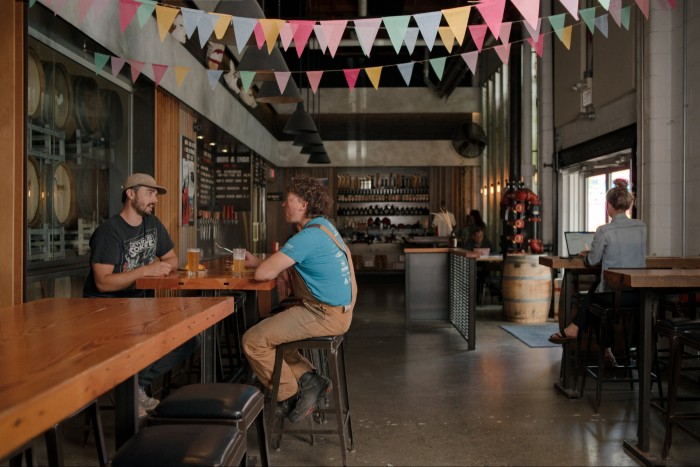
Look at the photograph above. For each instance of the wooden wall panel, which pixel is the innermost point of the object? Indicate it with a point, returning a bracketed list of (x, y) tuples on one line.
[(453, 185)]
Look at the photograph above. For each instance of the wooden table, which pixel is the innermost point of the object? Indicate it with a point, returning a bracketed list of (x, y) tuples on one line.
[(649, 282), (60, 354)]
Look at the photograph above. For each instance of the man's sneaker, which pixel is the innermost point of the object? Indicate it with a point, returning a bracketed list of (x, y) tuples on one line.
[(312, 387), (145, 403)]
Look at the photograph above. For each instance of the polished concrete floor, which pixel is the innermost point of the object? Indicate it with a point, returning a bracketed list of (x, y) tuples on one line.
[(420, 398)]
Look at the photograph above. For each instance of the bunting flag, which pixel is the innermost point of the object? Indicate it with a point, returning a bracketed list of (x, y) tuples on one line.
[(180, 73), (492, 12), (503, 51), (470, 59), (557, 23), (428, 24), (601, 22), (31, 3), (214, 76), (625, 17), (410, 39), (282, 78), (83, 9), (271, 30), (145, 11), (605, 4), (205, 28), (588, 16), (478, 32), (438, 66), (243, 29), (314, 78), (100, 62), (259, 34), (448, 38), (616, 11), (505, 33), (374, 74), (158, 72), (571, 6), (333, 30), (165, 16), (457, 19), (366, 30), (286, 35), (190, 19), (247, 78), (301, 34), (406, 70), (396, 28), (117, 65), (530, 11), (221, 24), (565, 36), (644, 7), (127, 11), (538, 45), (136, 67), (351, 75), (534, 32), (321, 38)]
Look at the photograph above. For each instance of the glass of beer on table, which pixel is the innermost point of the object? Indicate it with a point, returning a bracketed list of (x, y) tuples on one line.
[(193, 261), (238, 262)]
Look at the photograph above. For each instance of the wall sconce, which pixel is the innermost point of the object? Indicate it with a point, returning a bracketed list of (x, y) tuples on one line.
[(498, 186), (492, 188), (484, 190)]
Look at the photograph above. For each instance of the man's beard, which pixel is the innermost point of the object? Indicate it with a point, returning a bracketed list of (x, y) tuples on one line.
[(142, 211)]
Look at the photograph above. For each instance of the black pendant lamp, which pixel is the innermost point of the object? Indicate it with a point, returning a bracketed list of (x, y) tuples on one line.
[(312, 148), (269, 93), (307, 139), (300, 122), (319, 158)]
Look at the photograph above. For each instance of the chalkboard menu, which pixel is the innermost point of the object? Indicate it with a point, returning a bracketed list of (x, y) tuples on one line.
[(205, 175), (233, 180)]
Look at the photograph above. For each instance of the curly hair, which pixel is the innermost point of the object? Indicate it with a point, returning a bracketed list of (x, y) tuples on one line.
[(619, 196), (310, 190)]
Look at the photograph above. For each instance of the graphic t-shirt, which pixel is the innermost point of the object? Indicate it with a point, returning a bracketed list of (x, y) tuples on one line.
[(126, 247)]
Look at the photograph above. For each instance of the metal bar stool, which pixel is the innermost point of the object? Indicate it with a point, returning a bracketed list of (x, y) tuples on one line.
[(216, 403), (332, 352)]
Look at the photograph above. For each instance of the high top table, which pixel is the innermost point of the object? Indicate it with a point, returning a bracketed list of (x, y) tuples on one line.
[(60, 354)]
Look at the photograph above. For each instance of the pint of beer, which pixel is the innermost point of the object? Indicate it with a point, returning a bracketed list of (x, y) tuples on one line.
[(193, 261), (238, 261)]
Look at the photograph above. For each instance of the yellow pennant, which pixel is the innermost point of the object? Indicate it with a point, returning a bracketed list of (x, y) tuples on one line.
[(447, 36), (374, 73), (180, 73), (457, 19), (222, 24), (165, 17), (271, 28), (566, 37)]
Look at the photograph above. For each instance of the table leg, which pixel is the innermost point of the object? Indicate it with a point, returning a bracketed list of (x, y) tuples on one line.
[(565, 384), (208, 349), (125, 416)]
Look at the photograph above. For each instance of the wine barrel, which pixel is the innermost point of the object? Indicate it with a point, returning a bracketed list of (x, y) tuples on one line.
[(57, 105), (36, 84), (87, 106), (64, 200), (112, 116), (79, 192), (526, 289), (34, 188)]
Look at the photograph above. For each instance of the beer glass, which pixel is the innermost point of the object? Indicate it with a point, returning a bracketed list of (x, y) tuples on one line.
[(238, 261), (193, 261)]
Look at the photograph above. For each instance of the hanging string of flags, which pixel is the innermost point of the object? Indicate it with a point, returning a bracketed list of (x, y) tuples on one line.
[(329, 33)]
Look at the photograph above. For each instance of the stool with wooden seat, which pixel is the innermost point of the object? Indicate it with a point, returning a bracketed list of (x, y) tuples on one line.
[(331, 349), (216, 403), (183, 445)]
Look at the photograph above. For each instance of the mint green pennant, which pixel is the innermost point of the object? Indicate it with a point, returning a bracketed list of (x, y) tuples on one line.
[(438, 65), (588, 16), (145, 11), (396, 28), (31, 3), (100, 62), (625, 17), (247, 79), (557, 22), (605, 4)]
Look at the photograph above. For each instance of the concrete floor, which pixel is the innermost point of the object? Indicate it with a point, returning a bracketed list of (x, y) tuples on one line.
[(419, 398)]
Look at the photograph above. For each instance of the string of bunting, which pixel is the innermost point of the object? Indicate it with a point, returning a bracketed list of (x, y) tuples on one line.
[(329, 33)]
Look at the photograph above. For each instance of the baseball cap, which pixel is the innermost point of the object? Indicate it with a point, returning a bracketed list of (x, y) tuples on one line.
[(143, 180)]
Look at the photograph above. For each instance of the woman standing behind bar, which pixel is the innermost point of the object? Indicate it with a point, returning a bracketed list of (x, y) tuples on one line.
[(619, 244)]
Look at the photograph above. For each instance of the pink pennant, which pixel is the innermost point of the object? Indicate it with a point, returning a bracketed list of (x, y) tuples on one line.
[(301, 34), (537, 45), (351, 75), (616, 11), (571, 6), (83, 8), (259, 35), (321, 38), (470, 59), (117, 65), (505, 32), (314, 79), (534, 32), (644, 7), (492, 12), (282, 78), (333, 30), (158, 72), (478, 32), (529, 9), (136, 68), (287, 34), (127, 11), (503, 52)]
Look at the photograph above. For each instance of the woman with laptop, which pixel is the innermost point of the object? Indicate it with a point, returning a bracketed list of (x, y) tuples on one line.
[(618, 244)]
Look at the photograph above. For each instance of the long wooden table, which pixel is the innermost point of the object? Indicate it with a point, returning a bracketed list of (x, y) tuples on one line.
[(649, 282), (60, 354)]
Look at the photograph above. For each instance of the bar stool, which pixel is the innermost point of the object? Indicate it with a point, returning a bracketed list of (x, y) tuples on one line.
[(332, 352), (183, 445), (216, 403)]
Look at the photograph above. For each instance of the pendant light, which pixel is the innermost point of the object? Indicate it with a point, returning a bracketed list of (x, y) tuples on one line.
[(319, 158), (300, 122), (312, 148), (307, 139)]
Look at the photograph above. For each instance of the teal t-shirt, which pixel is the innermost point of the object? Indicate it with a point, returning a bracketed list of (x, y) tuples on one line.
[(322, 265)]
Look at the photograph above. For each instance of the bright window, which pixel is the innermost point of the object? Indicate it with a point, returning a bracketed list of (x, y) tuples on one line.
[(596, 187)]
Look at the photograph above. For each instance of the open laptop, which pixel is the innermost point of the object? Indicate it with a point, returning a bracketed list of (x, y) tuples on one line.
[(576, 242)]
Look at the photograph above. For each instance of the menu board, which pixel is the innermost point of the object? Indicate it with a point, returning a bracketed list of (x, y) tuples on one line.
[(205, 176), (233, 180)]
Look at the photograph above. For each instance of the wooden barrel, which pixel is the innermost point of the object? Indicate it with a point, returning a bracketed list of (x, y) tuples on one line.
[(36, 84), (34, 189), (64, 200), (79, 192), (526, 289), (112, 116), (87, 105), (57, 105)]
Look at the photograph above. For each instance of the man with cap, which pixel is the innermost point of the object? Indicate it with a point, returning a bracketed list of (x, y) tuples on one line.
[(129, 245)]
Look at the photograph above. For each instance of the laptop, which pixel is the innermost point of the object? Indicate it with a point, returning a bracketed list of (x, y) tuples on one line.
[(576, 242)]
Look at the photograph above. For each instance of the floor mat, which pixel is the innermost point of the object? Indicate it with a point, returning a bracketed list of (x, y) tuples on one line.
[(533, 335)]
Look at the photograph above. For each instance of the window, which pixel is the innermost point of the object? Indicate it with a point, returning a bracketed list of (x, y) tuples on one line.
[(596, 186)]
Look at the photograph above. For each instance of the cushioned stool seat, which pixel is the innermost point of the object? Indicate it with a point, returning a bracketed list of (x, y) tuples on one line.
[(216, 403), (183, 445)]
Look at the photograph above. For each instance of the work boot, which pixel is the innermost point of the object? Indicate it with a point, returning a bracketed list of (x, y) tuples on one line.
[(312, 387), (286, 406)]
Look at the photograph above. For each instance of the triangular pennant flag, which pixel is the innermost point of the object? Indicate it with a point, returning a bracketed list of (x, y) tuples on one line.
[(165, 17), (530, 11), (145, 11), (410, 39), (321, 38), (83, 8), (205, 28), (396, 28), (243, 28), (282, 78), (180, 73), (601, 22), (644, 7), (100, 62), (221, 24), (492, 12), (616, 11), (374, 74), (428, 24), (136, 68), (314, 78), (31, 3), (158, 72), (565, 36), (470, 59), (117, 65), (190, 18), (351, 75), (406, 70), (438, 66), (271, 28), (503, 51), (557, 22), (286, 35), (333, 30), (571, 6), (605, 4), (366, 30), (505, 32), (457, 19), (478, 32), (301, 34), (214, 76), (626, 13), (447, 37), (588, 16), (259, 34), (537, 45), (247, 78), (534, 32), (127, 11)]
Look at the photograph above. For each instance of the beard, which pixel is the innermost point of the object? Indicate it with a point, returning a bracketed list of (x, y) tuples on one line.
[(143, 209)]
